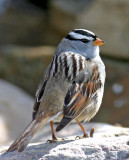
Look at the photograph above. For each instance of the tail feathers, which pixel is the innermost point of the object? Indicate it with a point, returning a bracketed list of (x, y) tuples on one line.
[(21, 142), (63, 123)]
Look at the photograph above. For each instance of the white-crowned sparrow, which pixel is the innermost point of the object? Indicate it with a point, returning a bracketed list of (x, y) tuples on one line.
[(72, 88)]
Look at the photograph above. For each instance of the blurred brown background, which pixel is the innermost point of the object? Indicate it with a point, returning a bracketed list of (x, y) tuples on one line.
[(30, 30)]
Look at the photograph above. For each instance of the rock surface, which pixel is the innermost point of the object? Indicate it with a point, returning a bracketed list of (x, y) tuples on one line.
[(101, 147), (15, 111)]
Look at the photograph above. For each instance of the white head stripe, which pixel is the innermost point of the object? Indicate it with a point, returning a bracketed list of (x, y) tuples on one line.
[(78, 36)]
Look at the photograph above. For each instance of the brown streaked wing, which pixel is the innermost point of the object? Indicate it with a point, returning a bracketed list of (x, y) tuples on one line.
[(78, 98), (37, 100)]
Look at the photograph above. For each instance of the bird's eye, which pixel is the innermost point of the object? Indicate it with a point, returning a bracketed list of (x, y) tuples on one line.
[(85, 40)]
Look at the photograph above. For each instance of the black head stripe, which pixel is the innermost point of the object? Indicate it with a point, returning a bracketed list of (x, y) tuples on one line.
[(83, 32), (71, 38)]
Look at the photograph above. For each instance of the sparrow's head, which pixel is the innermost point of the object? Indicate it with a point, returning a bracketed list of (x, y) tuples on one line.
[(84, 36), (84, 42)]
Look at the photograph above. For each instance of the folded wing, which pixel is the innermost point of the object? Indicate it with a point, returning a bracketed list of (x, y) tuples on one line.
[(79, 96)]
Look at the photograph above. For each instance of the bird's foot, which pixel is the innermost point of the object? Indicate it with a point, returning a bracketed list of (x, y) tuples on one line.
[(54, 140), (81, 137), (86, 135)]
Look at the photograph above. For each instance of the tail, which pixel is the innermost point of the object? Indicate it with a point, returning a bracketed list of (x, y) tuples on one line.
[(63, 123), (21, 142)]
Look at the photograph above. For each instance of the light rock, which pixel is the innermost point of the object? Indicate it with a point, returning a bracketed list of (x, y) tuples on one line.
[(108, 19), (15, 111), (98, 148)]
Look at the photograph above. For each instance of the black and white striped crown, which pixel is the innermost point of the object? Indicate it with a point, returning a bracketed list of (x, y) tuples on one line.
[(81, 35)]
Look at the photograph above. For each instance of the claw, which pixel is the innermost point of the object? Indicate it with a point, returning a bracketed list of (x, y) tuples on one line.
[(55, 140), (52, 141), (81, 137), (86, 135)]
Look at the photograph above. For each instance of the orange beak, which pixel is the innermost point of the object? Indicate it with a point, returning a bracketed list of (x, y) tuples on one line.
[(98, 42)]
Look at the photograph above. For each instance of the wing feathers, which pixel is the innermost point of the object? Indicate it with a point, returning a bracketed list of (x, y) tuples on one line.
[(79, 97), (67, 65)]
